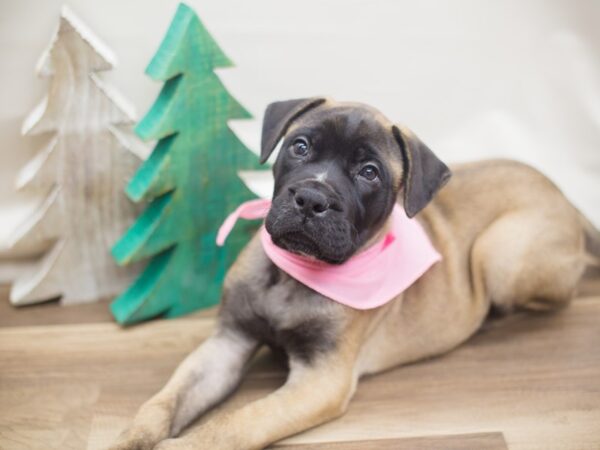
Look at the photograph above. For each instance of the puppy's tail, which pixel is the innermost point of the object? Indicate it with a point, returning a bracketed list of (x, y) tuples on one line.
[(592, 241)]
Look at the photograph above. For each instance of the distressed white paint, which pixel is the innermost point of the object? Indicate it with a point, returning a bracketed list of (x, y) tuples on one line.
[(78, 175)]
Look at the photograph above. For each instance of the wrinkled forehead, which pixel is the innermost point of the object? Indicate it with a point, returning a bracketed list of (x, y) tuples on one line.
[(347, 122)]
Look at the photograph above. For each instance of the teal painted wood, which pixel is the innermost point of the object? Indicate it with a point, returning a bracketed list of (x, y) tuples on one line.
[(190, 181)]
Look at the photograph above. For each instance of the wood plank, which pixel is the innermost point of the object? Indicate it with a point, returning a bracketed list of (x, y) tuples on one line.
[(53, 313), (477, 441), (533, 378), (79, 176)]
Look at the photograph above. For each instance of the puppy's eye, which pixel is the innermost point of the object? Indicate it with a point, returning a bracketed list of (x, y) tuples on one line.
[(369, 172), (300, 147)]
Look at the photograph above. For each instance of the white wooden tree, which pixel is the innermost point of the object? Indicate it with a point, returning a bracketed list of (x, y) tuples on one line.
[(80, 174)]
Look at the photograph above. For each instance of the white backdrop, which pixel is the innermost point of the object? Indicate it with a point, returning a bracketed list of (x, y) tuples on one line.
[(475, 79)]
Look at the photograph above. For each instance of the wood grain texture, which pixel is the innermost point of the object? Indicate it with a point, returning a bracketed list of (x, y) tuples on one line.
[(477, 441), (190, 180), (52, 313), (533, 378), (79, 174)]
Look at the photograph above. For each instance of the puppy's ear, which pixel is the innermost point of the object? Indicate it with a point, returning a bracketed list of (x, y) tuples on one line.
[(424, 174), (278, 117)]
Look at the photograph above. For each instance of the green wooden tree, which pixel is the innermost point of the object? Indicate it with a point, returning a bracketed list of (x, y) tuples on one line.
[(190, 180)]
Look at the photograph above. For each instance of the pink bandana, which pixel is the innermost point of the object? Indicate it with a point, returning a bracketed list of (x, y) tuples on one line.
[(367, 280)]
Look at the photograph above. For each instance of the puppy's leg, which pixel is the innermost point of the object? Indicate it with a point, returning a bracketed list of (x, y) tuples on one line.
[(313, 394), (530, 259), (204, 378)]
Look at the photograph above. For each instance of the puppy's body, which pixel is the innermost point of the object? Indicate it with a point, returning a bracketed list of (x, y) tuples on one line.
[(516, 243), (508, 238), (521, 247)]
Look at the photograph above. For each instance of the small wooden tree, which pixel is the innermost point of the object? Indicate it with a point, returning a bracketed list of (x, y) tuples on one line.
[(190, 180), (80, 173)]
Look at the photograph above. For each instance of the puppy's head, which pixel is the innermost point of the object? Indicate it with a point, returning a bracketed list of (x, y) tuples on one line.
[(339, 173)]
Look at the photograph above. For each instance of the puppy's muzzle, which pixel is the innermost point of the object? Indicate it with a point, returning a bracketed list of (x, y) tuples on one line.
[(308, 218)]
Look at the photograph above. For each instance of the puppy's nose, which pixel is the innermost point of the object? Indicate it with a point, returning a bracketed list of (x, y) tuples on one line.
[(310, 201)]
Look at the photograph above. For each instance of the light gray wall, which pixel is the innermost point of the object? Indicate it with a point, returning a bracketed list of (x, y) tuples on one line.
[(473, 78)]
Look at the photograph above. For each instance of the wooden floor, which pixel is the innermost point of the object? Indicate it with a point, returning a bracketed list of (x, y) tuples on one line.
[(523, 382)]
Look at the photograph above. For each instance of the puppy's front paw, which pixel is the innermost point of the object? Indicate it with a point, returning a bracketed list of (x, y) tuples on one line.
[(137, 438), (150, 426)]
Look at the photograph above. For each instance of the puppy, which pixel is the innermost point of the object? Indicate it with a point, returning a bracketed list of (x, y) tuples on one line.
[(508, 238)]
